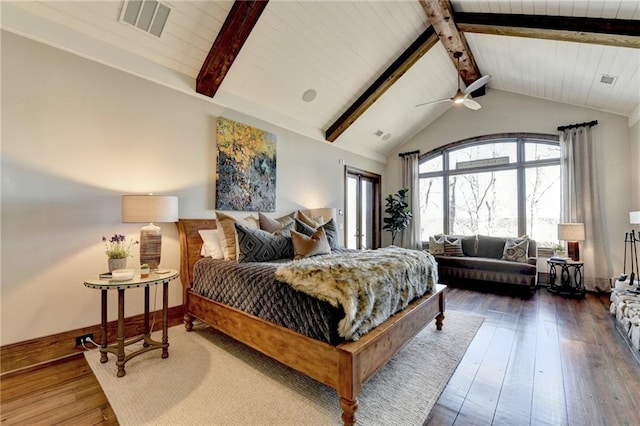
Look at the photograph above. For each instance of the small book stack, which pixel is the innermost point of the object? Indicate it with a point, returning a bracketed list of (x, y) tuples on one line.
[(559, 259)]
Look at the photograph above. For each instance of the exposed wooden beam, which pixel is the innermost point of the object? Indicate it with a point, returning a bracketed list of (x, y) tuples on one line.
[(242, 18), (613, 32), (405, 61), (441, 17)]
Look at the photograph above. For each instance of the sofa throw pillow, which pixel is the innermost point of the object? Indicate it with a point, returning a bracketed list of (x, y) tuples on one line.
[(256, 245), (436, 245), (282, 224), (515, 250), (229, 243), (329, 228), (211, 246), (453, 247), (307, 246)]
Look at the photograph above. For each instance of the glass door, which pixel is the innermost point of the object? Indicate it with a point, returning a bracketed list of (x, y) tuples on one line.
[(363, 209)]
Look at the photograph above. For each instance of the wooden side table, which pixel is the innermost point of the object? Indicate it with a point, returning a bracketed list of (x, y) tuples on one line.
[(149, 344), (570, 277)]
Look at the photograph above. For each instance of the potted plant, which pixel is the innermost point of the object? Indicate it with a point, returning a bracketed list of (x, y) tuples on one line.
[(117, 251), (399, 215)]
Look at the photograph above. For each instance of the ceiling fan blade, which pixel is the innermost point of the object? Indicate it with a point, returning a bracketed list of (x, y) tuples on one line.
[(434, 102), (477, 84), (471, 104)]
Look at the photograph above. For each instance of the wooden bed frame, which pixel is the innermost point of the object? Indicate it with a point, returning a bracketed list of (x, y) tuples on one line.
[(344, 367)]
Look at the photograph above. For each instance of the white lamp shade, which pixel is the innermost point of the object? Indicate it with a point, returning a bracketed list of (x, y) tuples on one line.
[(326, 213), (149, 208), (634, 217), (571, 231)]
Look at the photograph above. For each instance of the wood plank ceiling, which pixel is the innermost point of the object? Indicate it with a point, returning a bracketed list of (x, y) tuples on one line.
[(369, 62), (441, 17)]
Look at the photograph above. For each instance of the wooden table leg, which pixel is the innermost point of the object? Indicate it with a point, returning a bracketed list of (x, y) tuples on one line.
[(146, 316), (165, 320), (120, 337), (103, 328)]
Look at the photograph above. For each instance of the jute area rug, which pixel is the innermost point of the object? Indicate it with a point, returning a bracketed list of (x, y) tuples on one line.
[(210, 379)]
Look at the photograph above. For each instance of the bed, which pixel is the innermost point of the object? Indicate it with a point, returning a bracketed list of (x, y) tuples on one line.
[(344, 367)]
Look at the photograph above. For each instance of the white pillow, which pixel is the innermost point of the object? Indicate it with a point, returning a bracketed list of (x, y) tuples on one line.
[(436, 246), (211, 246)]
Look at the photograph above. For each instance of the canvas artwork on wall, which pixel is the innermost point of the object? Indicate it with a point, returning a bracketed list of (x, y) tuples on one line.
[(246, 172)]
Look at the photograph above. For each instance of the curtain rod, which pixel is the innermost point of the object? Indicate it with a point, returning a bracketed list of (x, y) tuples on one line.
[(404, 154), (574, 126)]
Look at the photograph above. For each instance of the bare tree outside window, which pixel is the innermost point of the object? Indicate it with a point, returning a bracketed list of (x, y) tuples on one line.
[(476, 187)]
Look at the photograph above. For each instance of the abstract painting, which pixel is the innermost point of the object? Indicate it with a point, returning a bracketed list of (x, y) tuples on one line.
[(246, 172)]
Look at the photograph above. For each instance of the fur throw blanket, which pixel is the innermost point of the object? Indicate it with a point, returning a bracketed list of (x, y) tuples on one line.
[(370, 285)]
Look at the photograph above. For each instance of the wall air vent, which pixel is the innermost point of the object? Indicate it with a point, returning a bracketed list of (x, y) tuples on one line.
[(149, 16)]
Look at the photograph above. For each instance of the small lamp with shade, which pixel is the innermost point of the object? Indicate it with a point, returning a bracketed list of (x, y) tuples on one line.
[(572, 233), (149, 209)]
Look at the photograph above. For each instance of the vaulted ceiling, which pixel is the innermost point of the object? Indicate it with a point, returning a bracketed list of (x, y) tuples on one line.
[(367, 62)]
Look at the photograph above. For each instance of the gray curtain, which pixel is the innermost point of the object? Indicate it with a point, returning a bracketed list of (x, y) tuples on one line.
[(410, 179), (581, 202)]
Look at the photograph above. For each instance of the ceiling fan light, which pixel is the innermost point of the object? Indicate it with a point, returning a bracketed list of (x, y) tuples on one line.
[(459, 97)]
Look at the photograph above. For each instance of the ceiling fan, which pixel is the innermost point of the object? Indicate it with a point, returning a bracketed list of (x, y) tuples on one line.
[(463, 97)]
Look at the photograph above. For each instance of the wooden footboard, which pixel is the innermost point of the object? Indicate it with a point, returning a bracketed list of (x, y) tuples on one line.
[(345, 367)]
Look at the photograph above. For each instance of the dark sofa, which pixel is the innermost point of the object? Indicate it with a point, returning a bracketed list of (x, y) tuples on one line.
[(482, 265)]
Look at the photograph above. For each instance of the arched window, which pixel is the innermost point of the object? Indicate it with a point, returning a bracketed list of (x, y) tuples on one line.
[(500, 185)]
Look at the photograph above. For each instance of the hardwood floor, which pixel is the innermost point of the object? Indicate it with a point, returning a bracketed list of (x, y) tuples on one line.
[(547, 360)]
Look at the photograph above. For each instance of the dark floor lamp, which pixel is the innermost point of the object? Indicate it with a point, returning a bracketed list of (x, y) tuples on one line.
[(572, 233)]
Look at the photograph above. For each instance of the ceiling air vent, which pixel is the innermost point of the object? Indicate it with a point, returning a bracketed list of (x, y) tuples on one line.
[(608, 79), (146, 15)]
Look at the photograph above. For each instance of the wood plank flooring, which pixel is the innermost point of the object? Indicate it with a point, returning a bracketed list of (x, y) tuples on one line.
[(547, 360)]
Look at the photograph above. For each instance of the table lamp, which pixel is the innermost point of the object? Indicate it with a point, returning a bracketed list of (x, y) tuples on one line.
[(149, 208), (571, 233)]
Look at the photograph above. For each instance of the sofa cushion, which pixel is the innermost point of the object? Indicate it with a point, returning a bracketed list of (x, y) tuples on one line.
[(468, 242), (453, 247), (491, 247), (516, 249), (436, 245), (485, 264)]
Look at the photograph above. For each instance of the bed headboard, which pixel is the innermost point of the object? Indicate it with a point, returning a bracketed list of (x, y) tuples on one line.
[(190, 245)]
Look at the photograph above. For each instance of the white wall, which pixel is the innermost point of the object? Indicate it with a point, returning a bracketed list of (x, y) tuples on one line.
[(504, 112), (634, 165), (76, 135)]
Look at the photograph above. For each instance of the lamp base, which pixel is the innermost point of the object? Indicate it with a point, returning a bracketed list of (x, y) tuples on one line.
[(150, 245), (573, 250)]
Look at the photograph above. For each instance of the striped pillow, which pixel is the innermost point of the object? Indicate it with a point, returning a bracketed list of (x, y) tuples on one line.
[(453, 248)]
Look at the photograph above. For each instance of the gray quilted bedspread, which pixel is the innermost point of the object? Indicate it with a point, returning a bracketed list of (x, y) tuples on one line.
[(252, 288)]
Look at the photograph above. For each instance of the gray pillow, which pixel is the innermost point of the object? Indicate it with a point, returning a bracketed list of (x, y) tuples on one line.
[(491, 247), (329, 229), (256, 245), (282, 224)]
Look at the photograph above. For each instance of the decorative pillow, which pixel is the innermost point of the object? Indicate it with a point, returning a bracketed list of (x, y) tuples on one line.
[(230, 241), (282, 224), (256, 245), (436, 245), (516, 249), (329, 228), (311, 222), (307, 246), (211, 246), (453, 247)]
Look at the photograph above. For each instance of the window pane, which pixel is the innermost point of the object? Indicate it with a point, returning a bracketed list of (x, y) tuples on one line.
[(483, 152), (484, 203), (540, 151), (543, 204), (431, 207), (431, 165)]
